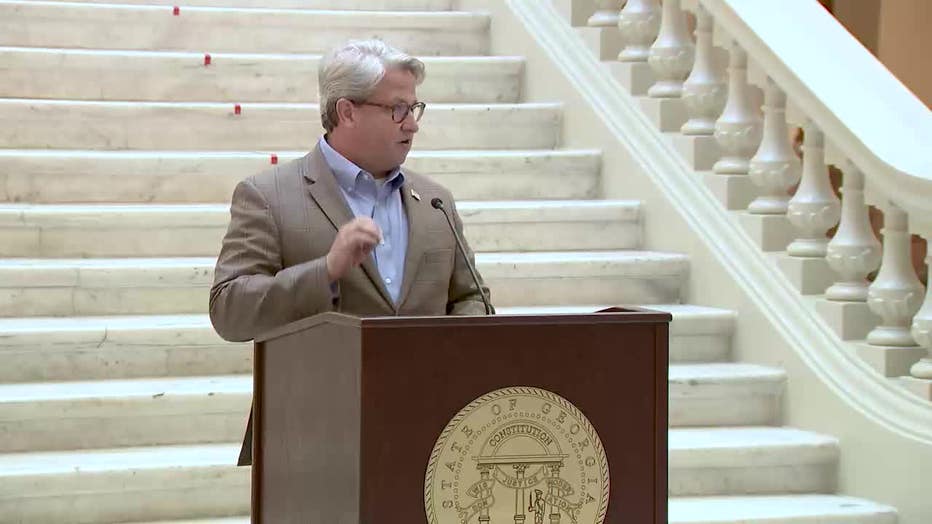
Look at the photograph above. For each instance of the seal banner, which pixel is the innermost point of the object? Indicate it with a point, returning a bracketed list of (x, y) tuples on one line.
[(517, 454)]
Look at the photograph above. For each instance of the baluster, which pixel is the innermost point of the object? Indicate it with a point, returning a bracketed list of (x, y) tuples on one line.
[(896, 293), (775, 167), (922, 327), (638, 23), (854, 251), (738, 129), (672, 54), (704, 90), (814, 209), (606, 13)]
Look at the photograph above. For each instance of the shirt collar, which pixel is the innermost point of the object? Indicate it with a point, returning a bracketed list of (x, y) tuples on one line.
[(347, 173)]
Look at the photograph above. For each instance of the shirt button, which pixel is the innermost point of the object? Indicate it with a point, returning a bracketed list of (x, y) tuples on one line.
[(388, 281)]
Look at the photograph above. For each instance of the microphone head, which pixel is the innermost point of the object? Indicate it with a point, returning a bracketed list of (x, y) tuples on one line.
[(436, 203)]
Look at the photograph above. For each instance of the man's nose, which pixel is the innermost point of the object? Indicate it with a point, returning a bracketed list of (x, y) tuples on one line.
[(410, 124)]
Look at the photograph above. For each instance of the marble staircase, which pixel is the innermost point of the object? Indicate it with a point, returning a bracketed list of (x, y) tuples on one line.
[(121, 146)]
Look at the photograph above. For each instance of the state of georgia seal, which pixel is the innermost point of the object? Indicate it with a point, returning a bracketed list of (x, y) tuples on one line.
[(516, 455)]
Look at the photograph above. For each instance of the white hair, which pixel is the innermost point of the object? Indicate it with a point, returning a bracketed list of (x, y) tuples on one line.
[(353, 70)]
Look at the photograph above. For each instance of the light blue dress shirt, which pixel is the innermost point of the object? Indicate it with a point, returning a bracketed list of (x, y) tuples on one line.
[(380, 201)]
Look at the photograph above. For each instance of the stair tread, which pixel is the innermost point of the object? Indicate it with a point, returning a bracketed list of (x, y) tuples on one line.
[(208, 154), (118, 459), (219, 384), (725, 372), (687, 318), (686, 446), (744, 437), (123, 388), (405, 5), (723, 509), (154, 53), (245, 106), (135, 322), (10, 210), (488, 257), (728, 509), (405, 19)]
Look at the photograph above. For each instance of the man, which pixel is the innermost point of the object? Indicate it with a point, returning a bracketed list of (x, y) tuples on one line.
[(344, 228)]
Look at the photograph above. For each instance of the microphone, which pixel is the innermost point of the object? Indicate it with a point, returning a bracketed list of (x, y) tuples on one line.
[(438, 204)]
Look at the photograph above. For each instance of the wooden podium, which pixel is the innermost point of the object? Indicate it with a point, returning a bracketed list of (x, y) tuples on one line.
[(347, 412)]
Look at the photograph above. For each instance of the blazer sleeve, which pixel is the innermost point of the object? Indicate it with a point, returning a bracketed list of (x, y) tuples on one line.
[(252, 292), (463, 297)]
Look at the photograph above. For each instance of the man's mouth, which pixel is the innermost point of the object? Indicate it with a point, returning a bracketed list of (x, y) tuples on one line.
[(406, 142)]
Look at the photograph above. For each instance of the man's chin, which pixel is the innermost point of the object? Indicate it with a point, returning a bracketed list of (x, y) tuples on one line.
[(403, 155)]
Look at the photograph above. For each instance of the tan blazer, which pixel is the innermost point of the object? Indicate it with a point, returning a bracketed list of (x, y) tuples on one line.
[(272, 268)]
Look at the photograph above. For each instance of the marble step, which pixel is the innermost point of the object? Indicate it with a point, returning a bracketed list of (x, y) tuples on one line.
[(750, 460), (118, 413), (80, 74), (725, 394), (129, 484), (142, 230), (40, 176), (697, 333), (66, 124), (97, 348), (186, 410), (233, 30), (775, 509), (762, 509), (159, 483), (748, 509), (67, 287), (116, 347), (343, 5)]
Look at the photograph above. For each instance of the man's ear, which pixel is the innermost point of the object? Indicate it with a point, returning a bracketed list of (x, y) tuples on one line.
[(346, 112)]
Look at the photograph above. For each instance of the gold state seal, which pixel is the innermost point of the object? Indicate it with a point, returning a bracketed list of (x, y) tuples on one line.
[(517, 455)]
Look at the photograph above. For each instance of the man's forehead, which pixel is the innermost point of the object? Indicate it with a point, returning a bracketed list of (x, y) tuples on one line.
[(394, 92)]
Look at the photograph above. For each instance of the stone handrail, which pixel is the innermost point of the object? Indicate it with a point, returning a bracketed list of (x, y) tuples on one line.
[(854, 114), (846, 99), (869, 115)]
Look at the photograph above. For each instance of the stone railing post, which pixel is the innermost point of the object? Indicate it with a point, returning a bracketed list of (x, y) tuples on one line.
[(606, 13), (672, 54), (638, 23)]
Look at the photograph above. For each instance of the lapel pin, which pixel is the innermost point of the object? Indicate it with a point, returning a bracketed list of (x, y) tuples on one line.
[(415, 195)]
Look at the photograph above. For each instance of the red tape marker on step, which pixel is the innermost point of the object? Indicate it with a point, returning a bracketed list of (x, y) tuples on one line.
[(274, 159), (176, 11), (237, 109), (206, 59)]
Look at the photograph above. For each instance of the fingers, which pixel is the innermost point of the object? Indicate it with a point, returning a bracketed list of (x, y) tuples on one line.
[(367, 228), (353, 243)]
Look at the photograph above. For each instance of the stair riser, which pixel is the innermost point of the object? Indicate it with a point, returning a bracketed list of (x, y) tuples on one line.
[(65, 433), (707, 481), (163, 420), (228, 78), (66, 356), (117, 126), (234, 31), (176, 240), (738, 409), (699, 348), (117, 361), (127, 495), (175, 290), (64, 179)]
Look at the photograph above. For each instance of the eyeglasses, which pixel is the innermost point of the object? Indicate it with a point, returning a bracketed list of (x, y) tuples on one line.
[(400, 110)]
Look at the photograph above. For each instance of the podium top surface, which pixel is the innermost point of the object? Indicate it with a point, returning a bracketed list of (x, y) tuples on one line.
[(614, 315)]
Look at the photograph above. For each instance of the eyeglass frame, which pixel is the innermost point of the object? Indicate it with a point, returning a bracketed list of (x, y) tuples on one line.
[(391, 107)]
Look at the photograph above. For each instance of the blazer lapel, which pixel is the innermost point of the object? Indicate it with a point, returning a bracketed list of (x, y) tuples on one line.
[(418, 212), (325, 191)]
